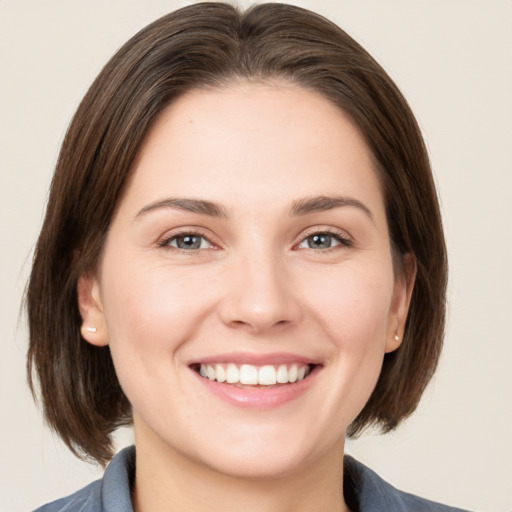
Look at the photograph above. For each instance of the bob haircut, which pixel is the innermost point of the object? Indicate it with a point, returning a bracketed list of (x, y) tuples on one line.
[(214, 45)]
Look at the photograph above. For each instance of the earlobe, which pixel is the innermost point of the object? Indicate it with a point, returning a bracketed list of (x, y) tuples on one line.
[(93, 328), (404, 285)]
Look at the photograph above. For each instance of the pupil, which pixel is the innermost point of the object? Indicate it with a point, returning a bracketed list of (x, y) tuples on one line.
[(319, 242), (189, 242)]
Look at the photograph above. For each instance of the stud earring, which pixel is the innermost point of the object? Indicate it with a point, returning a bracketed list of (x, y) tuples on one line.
[(90, 329), (396, 337)]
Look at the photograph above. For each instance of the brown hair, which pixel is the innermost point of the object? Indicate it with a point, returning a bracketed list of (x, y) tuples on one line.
[(204, 45)]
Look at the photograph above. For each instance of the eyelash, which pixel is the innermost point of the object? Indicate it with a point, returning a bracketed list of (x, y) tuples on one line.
[(165, 243), (339, 236)]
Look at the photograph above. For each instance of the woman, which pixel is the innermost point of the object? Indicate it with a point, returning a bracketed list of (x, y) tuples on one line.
[(242, 255)]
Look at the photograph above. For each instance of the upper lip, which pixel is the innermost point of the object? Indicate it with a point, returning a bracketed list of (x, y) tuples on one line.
[(239, 358)]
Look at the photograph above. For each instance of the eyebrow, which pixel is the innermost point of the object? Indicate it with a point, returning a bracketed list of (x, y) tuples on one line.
[(200, 206), (300, 207), (324, 203)]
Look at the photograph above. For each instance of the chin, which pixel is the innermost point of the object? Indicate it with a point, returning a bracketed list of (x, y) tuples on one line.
[(267, 455), (259, 466)]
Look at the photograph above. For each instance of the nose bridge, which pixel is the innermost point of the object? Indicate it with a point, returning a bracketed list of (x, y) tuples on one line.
[(259, 293)]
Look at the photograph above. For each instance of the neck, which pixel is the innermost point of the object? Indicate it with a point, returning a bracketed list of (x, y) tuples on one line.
[(167, 480)]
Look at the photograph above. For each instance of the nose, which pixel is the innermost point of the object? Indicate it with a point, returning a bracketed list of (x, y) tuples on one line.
[(259, 295)]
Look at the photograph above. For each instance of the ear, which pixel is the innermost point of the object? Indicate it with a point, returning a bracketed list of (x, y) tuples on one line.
[(404, 285), (93, 328)]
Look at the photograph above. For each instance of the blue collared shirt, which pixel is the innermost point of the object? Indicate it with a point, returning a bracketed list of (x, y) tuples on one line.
[(364, 491)]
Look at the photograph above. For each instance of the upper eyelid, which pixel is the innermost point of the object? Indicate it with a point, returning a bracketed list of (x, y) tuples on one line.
[(305, 233), (345, 240), (192, 230), (341, 233)]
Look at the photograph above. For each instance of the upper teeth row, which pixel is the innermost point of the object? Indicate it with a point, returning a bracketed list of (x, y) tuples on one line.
[(249, 374)]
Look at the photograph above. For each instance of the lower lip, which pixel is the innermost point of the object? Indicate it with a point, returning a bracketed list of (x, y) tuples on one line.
[(261, 397)]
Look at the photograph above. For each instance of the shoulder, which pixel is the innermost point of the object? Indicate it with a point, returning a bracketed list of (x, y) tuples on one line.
[(110, 494), (365, 491), (86, 499)]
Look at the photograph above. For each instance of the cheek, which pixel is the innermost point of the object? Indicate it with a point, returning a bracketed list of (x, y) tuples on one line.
[(152, 311), (149, 317), (354, 307), (353, 311), (347, 312)]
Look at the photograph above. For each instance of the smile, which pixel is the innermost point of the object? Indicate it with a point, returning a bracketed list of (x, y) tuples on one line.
[(251, 375), (256, 381)]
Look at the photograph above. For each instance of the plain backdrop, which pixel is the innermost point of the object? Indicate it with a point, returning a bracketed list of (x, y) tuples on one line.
[(453, 61)]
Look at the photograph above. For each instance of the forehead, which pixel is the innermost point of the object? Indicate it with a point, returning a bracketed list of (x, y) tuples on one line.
[(251, 142)]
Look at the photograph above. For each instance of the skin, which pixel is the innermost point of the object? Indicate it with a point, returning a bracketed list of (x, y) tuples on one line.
[(255, 286)]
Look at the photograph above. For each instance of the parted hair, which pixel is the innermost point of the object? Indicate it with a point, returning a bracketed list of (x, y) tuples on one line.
[(213, 45)]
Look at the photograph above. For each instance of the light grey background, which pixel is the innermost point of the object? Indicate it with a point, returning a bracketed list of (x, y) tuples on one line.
[(453, 61)]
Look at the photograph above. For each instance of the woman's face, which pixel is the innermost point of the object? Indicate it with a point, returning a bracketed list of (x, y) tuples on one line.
[(251, 246)]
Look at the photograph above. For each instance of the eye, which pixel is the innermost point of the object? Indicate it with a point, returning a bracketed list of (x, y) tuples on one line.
[(187, 242), (323, 241)]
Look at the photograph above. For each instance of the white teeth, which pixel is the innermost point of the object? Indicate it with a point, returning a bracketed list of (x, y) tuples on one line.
[(292, 373), (221, 373), (267, 375), (232, 374), (249, 374), (282, 374)]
